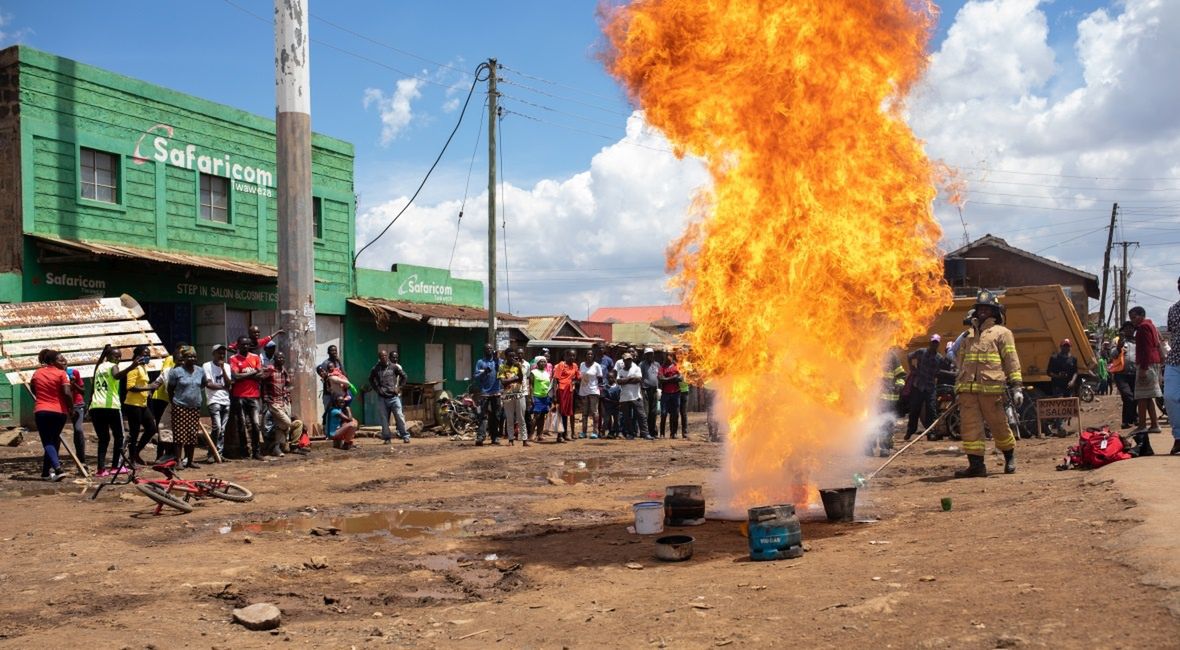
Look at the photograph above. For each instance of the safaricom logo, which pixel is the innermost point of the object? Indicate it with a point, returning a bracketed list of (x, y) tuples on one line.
[(411, 286), (189, 157)]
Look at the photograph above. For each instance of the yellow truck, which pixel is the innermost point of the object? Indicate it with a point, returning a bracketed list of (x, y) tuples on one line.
[(1039, 317)]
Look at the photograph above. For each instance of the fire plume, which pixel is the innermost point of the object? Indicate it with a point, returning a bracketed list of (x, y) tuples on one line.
[(814, 251)]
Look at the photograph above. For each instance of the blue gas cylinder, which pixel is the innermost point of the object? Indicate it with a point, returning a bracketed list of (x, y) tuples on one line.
[(775, 533)]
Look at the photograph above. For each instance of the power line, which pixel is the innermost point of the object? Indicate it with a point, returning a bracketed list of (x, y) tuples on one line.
[(564, 99), (597, 135), (559, 85), (389, 47), (1074, 187), (344, 51), (554, 110), (466, 188), (1066, 241), (1093, 178), (503, 211), (450, 137), (1150, 295), (1168, 205)]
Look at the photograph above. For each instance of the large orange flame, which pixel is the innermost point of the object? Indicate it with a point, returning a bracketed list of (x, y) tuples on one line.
[(815, 250)]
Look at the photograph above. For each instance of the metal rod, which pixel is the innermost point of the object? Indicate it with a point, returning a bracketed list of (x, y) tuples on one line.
[(910, 443)]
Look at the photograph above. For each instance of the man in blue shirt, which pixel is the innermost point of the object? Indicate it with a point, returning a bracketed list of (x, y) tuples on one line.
[(487, 372)]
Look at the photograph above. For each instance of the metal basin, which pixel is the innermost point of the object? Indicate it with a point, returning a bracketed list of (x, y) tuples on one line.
[(674, 548)]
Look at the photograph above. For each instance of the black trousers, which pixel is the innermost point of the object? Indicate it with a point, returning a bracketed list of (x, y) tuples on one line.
[(650, 399), (489, 418), (919, 407), (108, 424), (1125, 383), (139, 417)]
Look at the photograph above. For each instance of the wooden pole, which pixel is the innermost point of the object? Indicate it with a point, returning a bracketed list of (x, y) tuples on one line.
[(212, 447), (492, 121)]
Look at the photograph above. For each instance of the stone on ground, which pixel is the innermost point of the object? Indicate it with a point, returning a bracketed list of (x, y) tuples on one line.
[(259, 616)]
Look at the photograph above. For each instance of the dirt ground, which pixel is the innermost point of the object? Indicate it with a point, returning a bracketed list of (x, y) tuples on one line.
[(441, 543)]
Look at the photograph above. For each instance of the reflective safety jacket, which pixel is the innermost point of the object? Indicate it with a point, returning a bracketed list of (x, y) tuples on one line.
[(894, 381), (987, 360)]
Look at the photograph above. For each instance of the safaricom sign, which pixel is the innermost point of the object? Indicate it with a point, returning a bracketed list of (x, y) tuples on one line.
[(247, 177), (411, 286)]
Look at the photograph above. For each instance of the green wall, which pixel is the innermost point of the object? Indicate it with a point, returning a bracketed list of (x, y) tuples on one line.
[(66, 105)]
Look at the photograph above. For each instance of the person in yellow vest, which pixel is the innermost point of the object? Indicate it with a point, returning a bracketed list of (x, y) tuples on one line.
[(988, 367), (892, 381)]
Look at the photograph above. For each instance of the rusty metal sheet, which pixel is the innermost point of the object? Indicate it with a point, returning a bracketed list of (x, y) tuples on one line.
[(60, 312), (78, 328), (203, 262)]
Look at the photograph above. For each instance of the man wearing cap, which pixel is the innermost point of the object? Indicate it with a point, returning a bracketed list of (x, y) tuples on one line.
[(924, 365), (630, 380), (988, 366), (217, 382), (1172, 374)]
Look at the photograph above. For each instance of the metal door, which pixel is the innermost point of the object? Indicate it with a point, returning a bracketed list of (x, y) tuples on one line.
[(434, 362), (210, 321)]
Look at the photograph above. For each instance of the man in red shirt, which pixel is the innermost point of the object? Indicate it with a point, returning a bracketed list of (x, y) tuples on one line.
[(1148, 357), (245, 396), (670, 394)]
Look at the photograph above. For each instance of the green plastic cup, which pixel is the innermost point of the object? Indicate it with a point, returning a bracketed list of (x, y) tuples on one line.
[(946, 504)]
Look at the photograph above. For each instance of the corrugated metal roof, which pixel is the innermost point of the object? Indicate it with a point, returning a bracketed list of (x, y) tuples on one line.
[(547, 327), (644, 335), (77, 328), (204, 262), (646, 314), (439, 315)]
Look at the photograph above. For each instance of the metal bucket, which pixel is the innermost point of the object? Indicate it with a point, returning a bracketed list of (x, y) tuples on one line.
[(839, 503), (684, 505), (674, 548)]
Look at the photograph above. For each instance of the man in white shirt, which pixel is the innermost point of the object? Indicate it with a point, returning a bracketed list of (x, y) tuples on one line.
[(589, 388), (630, 380), (218, 378)]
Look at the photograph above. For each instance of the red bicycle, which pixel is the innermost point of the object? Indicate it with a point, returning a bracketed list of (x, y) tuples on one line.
[(176, 492)]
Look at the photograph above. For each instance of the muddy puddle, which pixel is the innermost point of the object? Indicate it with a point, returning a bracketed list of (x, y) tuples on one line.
[(402, 524), (572, 472)]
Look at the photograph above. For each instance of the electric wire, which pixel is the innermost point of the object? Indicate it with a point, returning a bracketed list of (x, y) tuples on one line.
[(337, 48), (1151, 295), (466, 102), (554, 110), (557, 84), (388, 46), (597, 135), (1092, 178), (564, 99), (503, 210), (1073, 187), (466, 188), (1066, 241)]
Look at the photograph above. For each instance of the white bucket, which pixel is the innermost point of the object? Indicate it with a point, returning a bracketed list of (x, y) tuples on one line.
[(649, 517)]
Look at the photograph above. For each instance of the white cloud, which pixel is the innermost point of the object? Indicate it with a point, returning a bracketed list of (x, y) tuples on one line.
[(986, 106), (595, 238), (8, 35), (396, 111)]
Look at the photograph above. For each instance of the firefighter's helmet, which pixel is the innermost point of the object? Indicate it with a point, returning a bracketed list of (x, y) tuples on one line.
[(989, 299)]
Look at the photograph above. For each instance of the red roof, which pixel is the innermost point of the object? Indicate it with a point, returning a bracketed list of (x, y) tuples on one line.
[(648, 314)]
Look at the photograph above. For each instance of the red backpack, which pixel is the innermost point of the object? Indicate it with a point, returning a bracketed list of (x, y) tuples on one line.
[(1097, 447)]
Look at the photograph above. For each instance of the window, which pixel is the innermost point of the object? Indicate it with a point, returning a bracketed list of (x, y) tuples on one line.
[(100, 178), (214, 198), (317, 216)]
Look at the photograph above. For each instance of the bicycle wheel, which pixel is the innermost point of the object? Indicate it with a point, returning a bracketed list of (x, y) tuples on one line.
[(231, 492), (1086, 393), (160, 495)]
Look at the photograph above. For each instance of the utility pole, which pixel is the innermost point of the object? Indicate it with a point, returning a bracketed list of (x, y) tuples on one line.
[(295, 237), (1105, 277), (1126, 274), (492, 110)]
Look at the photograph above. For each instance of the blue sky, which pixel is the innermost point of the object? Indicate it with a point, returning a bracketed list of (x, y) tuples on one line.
[(1005, 94)]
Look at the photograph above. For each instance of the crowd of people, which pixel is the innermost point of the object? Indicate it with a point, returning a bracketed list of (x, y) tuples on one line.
[(246, 382), (634, 397)]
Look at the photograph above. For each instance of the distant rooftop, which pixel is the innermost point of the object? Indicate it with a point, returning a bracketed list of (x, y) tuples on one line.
[(647, 314)]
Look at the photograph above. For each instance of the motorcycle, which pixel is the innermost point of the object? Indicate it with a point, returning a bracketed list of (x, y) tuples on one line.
[(945, 399), (460, 415), (1086, 390)]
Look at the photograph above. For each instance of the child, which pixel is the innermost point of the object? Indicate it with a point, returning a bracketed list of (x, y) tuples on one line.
[(610, 398), (341, 425)]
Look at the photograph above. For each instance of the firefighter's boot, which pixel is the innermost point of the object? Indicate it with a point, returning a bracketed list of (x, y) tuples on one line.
[(1010, 461), (976, 468)]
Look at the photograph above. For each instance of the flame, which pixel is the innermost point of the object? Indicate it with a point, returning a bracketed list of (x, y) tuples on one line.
[(814, 251)]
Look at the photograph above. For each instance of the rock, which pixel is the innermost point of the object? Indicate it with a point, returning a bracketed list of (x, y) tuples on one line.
[(1010, 641), (927, 579), (415, 429), (316, 562), (11, 438), (258, 617), (634, 565)]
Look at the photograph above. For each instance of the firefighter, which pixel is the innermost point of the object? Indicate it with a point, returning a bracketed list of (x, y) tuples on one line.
[(988, 365), (892, 381)]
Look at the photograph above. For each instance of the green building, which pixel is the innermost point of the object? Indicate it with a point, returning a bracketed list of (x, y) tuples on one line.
[(109, 185)]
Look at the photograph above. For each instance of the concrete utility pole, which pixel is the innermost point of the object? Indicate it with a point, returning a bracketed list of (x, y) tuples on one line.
[(295, 227), (1126, 275), (492, 97), (1105, 276)]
